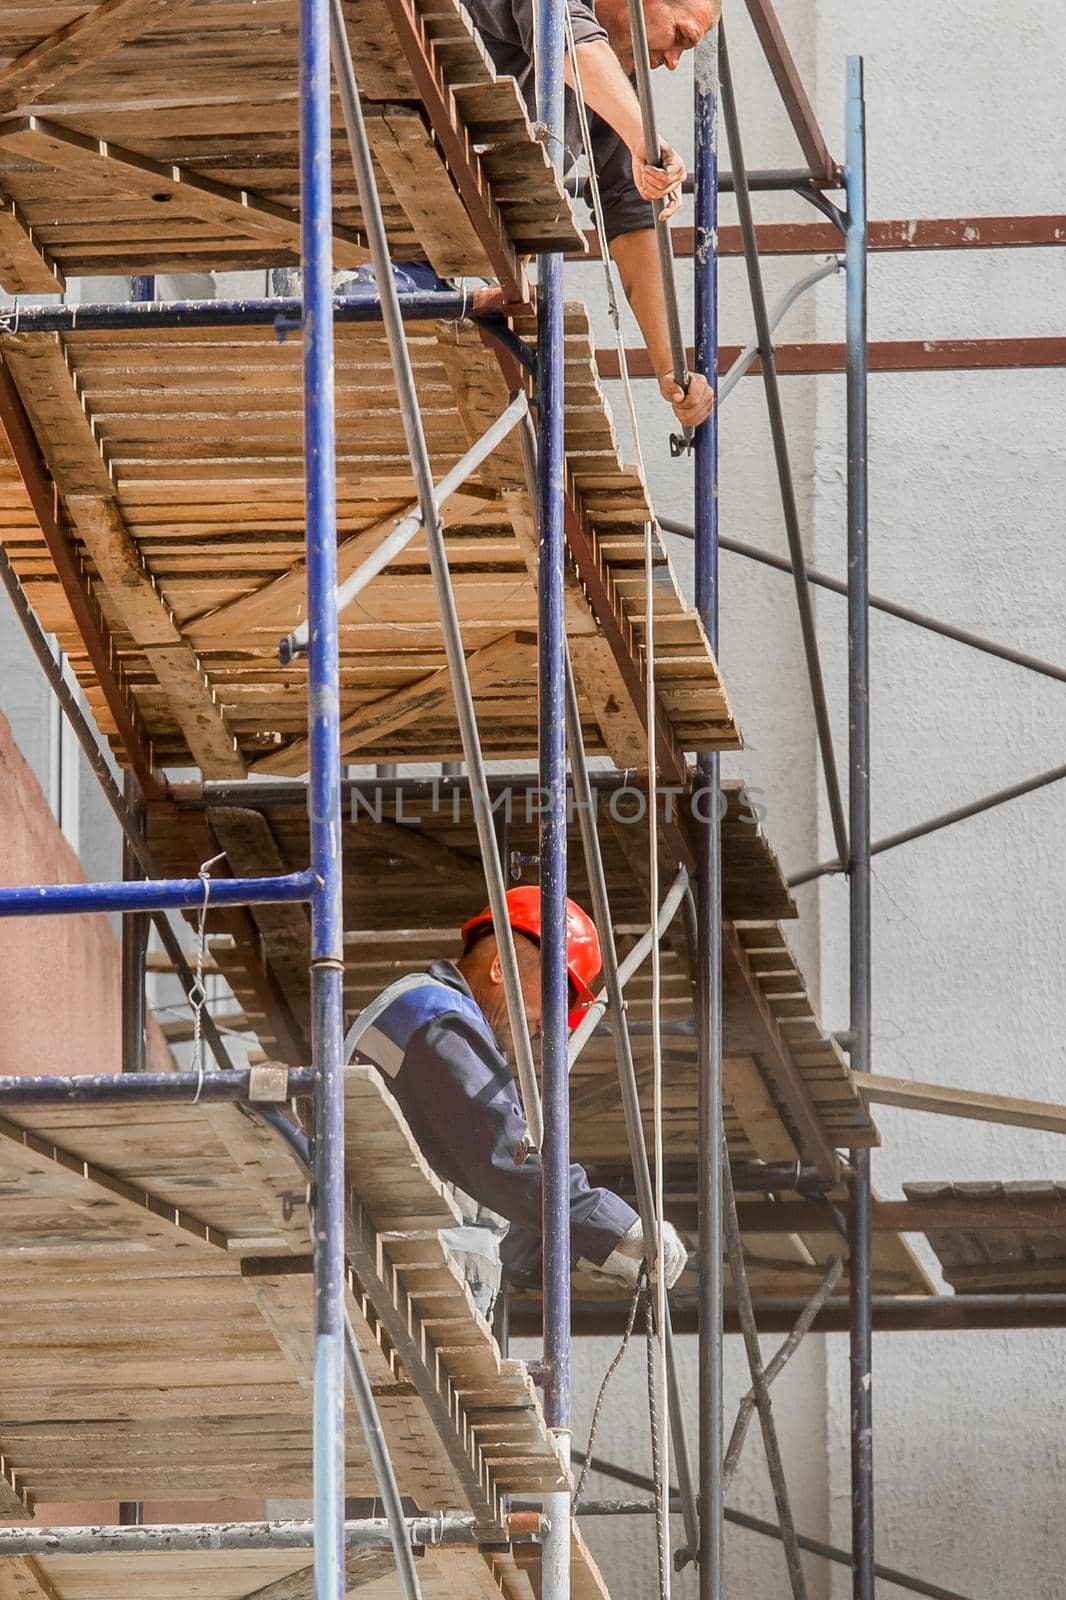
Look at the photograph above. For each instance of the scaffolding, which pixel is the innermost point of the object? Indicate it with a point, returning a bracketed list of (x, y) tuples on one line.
[(510, 355)]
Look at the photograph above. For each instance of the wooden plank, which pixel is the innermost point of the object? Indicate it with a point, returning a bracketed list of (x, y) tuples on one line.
[(65, 432), (78, 44), (15, 1504), (23, 1578), (82, 1181), (25, 265), (746, 1092), (925, 1212), (361, 1566), (420, 182), (125, 171), (776, 1059), (281, 603), (513, 655), (948, 1102)]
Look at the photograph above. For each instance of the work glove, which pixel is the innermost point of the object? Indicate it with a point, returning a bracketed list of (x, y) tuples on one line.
[(627, 1258)]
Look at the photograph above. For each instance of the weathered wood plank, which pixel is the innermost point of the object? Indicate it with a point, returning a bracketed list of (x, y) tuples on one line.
[(25, 265)]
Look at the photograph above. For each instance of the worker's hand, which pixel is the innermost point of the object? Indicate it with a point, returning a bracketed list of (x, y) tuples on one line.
[(663, 180), (692, 408), (627, 1258)]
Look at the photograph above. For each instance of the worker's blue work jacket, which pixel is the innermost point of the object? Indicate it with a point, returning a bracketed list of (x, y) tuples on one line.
[(430, 1039)]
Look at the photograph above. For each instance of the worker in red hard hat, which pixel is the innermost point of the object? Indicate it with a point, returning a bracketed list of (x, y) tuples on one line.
[(442, 1040)]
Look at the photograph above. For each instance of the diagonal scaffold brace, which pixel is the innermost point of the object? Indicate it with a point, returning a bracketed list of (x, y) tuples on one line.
[(429, 514)]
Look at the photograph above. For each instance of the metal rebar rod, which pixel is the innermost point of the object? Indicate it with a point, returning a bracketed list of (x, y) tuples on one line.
[(891, 608), (652, 154), (296, 642), (142, 1088), (859, 873), (605, 1003), (764, 1404), (947, 819), (779, 437), (616, 976), (407, 393), (705, 905), (324, 793), (447, 1528), (780, 1360)]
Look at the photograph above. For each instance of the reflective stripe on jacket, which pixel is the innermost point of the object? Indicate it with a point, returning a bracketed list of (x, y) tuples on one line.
[(428, 1036)]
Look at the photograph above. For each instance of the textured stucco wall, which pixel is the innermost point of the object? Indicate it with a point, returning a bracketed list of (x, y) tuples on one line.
[(967, 482)]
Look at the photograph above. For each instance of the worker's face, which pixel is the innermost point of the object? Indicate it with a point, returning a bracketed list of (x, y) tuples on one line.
[(673, 27), (484, 975)]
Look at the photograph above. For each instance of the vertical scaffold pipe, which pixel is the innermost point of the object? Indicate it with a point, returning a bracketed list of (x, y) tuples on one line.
[(324, 794), (862, 1486), (552, 767), (708, 885)]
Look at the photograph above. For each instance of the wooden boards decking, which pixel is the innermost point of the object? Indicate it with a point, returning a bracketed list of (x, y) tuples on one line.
[(413, 876), (177, 457), (1026, 1258), (443, 1573), (157, 1314), (142, 136)]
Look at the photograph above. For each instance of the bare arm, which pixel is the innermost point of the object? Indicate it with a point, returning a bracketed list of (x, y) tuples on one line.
[(610, 94), (636, 256)]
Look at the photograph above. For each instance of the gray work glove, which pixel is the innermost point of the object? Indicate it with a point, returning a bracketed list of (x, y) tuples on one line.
[(627, 1258)]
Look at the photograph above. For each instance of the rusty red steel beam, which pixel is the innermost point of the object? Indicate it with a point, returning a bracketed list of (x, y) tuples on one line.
[(887, 355), (899, 235), (75, 583), (458, 150), (786, 75)]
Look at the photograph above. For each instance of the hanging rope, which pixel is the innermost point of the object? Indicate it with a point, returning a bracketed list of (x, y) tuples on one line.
[(198, 993), (602, 1395), (658, 1373)]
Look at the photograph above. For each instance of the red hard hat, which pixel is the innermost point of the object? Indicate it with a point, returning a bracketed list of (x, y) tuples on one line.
[(582, 941)]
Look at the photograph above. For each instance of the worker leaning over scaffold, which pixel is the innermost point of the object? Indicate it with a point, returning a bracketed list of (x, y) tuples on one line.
[(629, 177), (442, 1040)]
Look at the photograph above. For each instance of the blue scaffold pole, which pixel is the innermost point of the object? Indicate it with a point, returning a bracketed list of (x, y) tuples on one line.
[(708, 878), (145, 896), (859, 879), (327, 1000), (550, 57)]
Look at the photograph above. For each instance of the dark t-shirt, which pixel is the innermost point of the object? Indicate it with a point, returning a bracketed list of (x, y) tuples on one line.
[(506, 26)]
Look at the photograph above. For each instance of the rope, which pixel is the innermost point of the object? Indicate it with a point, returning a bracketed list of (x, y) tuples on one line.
[(602, 1395), (660, 1425), (659, 1475), (198, 994)]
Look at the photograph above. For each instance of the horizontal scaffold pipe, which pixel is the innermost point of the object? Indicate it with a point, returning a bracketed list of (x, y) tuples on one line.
[(247, 1085), (445, 1528), (164, 894), (283, 314)]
